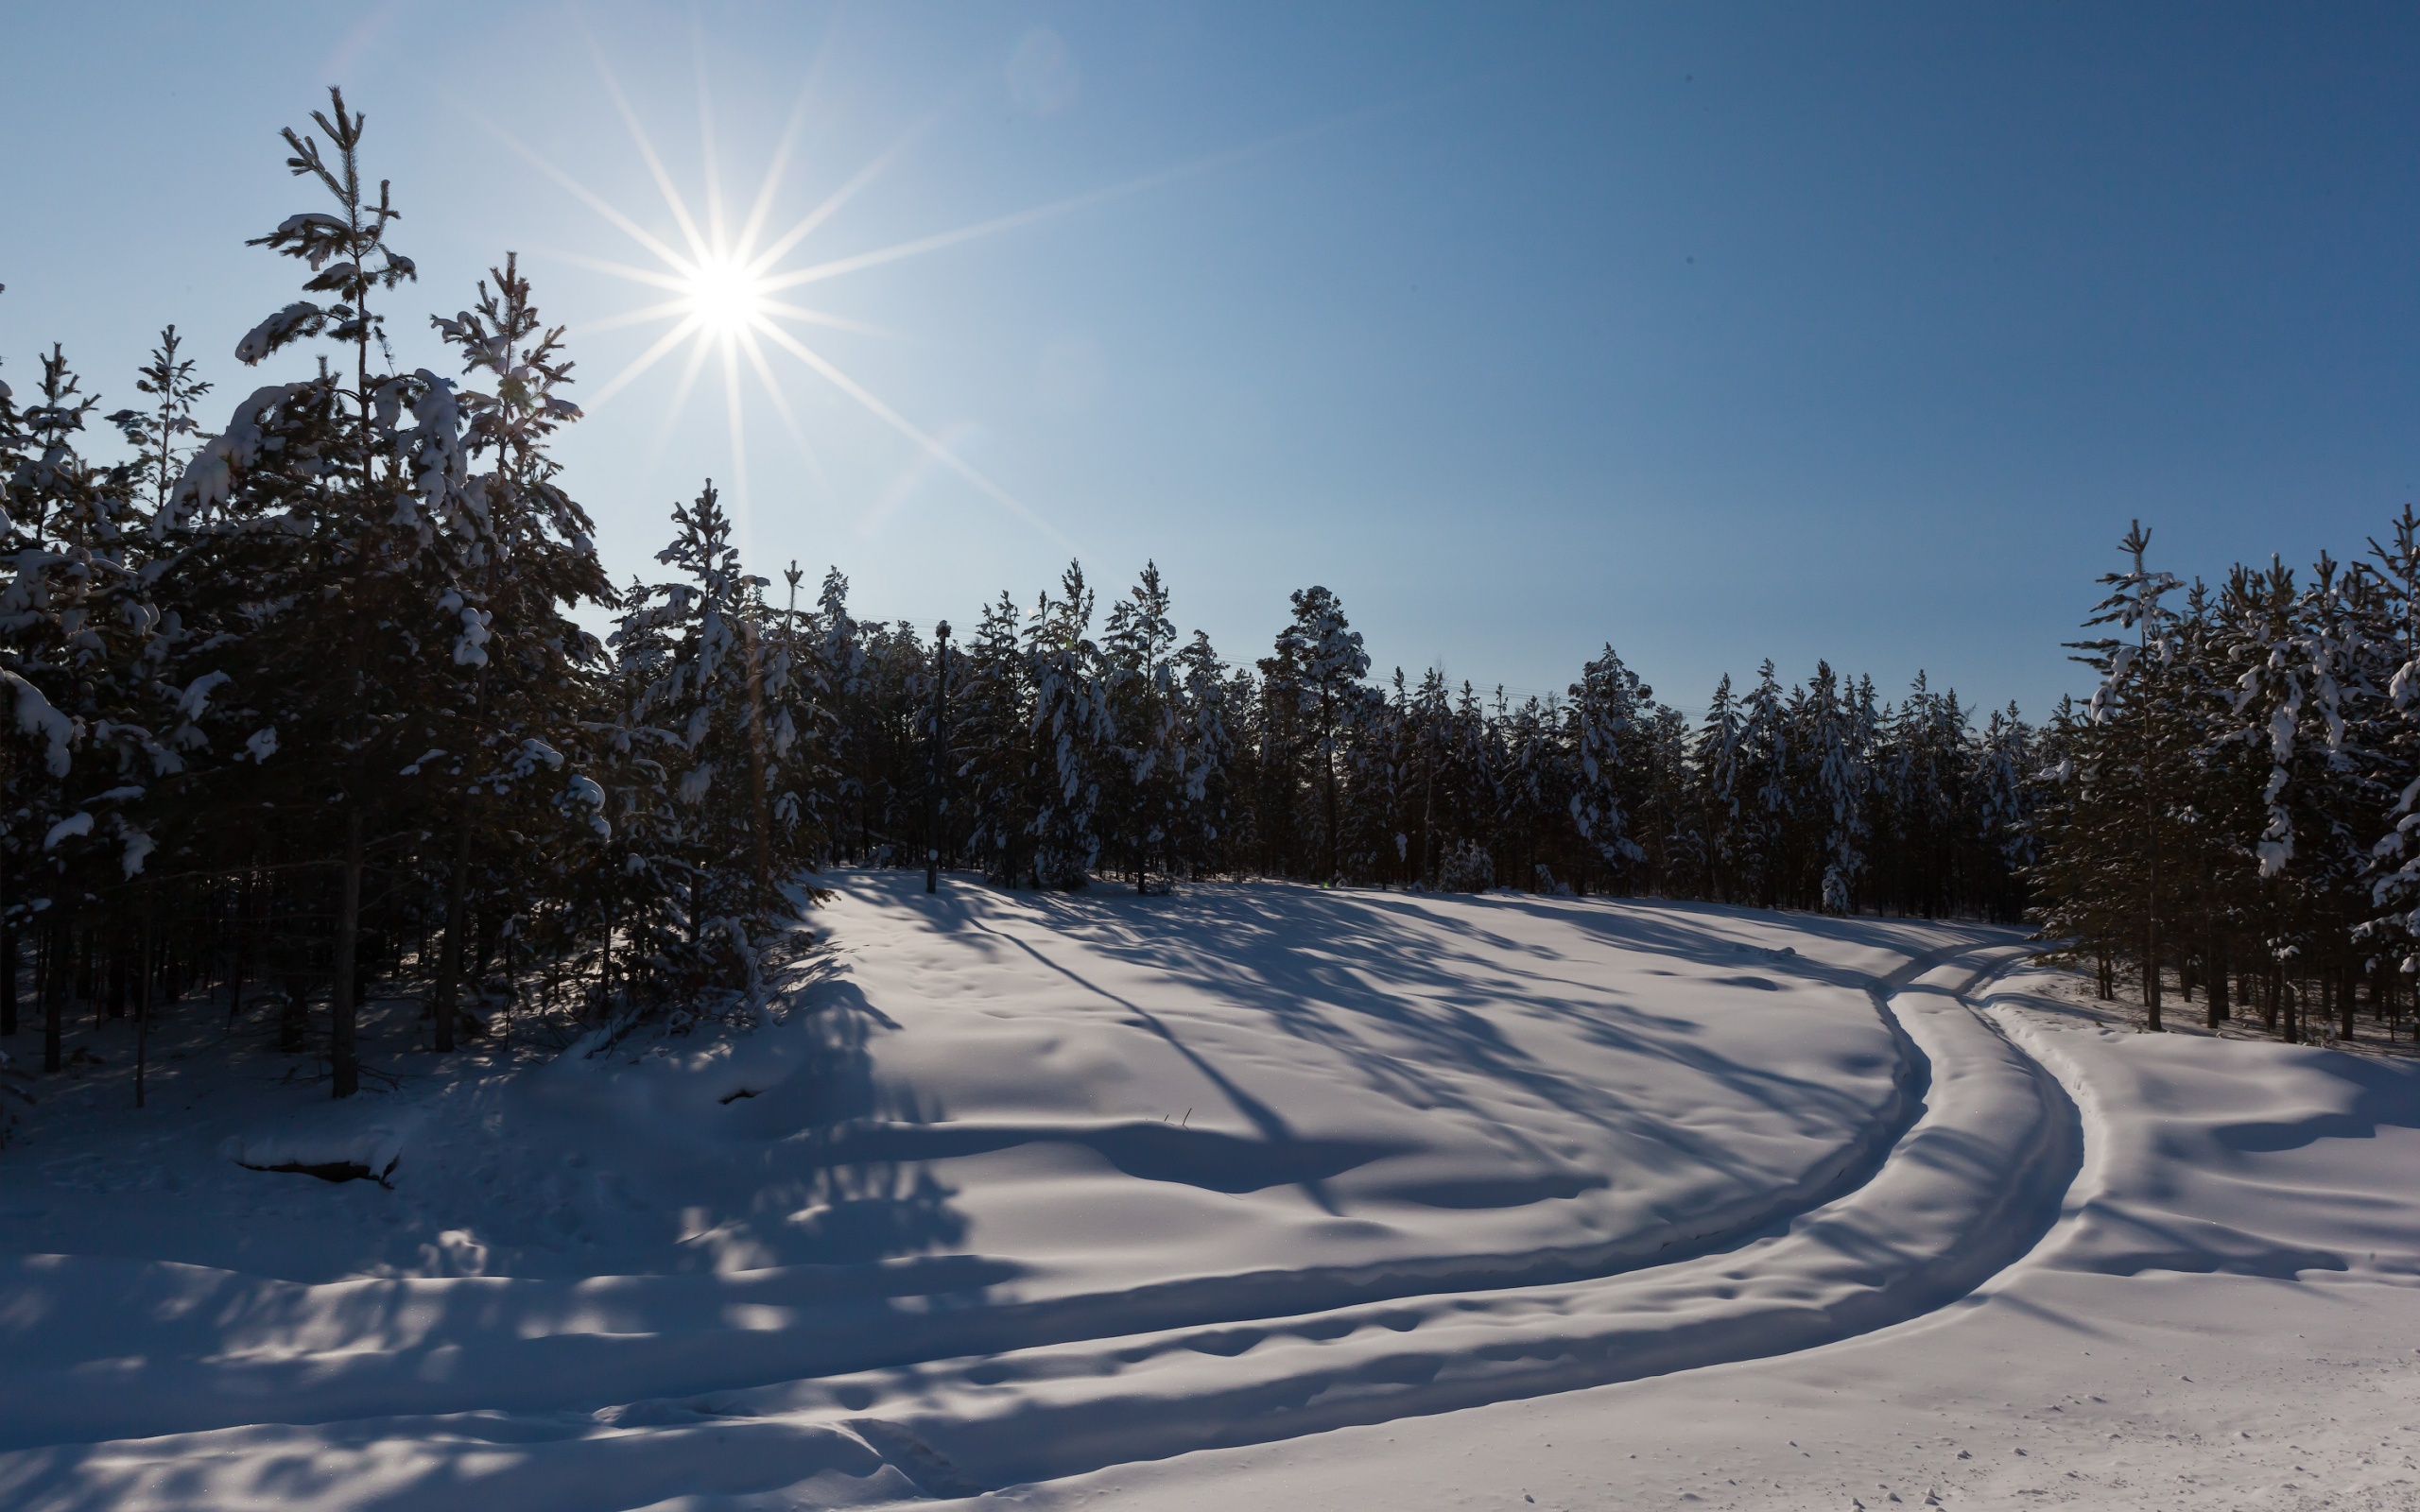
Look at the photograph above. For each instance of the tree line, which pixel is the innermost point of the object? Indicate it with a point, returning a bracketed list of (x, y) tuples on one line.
[(300, 704), (2233, 811)]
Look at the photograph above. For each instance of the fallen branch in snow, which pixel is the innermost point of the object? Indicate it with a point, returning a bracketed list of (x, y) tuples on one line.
[(334, 1170)]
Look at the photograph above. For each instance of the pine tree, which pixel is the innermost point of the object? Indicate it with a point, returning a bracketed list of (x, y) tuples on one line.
[(995, 737), (1607, 704), (511, 555), (708, 856), (1839, 745), (1208, 703), (1323, 655), (1073, 734), (1149, 786)]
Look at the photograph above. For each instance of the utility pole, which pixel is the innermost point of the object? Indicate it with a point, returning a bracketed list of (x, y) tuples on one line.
[(940, 759)]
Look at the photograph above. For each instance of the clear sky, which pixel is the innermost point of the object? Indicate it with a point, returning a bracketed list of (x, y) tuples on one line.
[(1715, 332)]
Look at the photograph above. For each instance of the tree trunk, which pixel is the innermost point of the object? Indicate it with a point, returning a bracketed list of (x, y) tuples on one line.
[(1327, 761), (242, 966), (88, 974), (294, 1014), (2216, 995), (147, 969), (1428, 822), (761, 813), (2151, 978), (53, 984), (449, 964), (8, 962), (343, 1063)]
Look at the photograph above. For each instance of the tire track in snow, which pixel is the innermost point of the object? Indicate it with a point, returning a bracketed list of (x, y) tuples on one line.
[(506, 1345), (1971, 1186)]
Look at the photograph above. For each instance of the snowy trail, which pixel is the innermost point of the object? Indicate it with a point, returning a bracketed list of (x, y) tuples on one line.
[(1970, 1189), (1966, 1189), (126, 1346)]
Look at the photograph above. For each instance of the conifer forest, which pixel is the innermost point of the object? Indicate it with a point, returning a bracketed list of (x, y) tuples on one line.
[(300, 707), (1177, 756)]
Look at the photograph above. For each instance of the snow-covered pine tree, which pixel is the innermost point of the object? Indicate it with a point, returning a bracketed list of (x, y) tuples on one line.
[(326, 546), (511, 555), (836, 680), (1278, 743), (1431, 714), (2004, 765), (993, 737), (1606, 705), (1206, 694), (1146, 788), (2295, 646), (161, 432), (1073, 737), (1382, 795), (2394, 742), (75, 620), (15, 767), (1841, 743), (2134, 772), (1766, 783), (1668, 816), (707, 876), (1323, 654), (1718, 759)]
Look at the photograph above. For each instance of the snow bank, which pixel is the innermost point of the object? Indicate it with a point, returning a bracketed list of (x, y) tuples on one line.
[(336, 1144)]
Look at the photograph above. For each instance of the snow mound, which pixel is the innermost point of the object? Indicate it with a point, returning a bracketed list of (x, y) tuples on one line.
[(338, 1144)]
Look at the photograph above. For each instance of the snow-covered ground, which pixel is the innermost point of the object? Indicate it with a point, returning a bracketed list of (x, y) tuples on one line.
[(1255, 1195)]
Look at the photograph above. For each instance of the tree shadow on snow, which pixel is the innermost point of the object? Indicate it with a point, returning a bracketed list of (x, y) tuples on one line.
[(1362, 975)]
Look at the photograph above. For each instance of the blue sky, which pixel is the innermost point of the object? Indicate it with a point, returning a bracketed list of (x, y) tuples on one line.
[(1717, 333)]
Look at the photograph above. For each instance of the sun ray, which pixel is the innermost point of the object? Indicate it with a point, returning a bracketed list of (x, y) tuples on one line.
[(841, 196), (640, 364), (699, 250), (784, 146), (835, 322), (667, 310), (745, 506), (1027, 217), (697, 353), (896, 494), (680, 283), (907, 428), (598, 203), (706, 143), (782, 407)]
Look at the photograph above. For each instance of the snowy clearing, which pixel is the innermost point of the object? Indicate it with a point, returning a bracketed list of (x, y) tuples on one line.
[(1301, 1196)]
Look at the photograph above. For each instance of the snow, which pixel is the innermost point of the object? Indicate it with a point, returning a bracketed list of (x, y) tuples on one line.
[(36, 716), (1251, 1195)]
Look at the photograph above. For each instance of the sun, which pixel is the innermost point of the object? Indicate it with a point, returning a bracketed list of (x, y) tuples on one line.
[(725, 297), (727, 286)]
